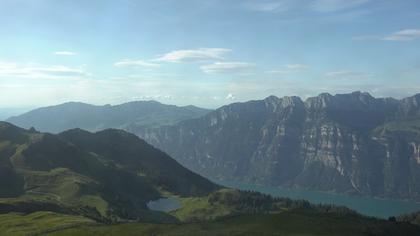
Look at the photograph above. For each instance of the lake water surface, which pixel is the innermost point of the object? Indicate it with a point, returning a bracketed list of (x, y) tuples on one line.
[(382, 208), (164, 204)]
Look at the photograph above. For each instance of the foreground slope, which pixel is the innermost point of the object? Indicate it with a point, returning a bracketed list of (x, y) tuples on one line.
[(350, 143), (235, 213), (107, 176), (285, 223), (130, 116)]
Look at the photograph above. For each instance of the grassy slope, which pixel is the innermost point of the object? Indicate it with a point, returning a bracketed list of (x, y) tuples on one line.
[(212, 217), (38, 222), (108, 176), (56, 186), (285, 223), (403, 125), (200, 209)]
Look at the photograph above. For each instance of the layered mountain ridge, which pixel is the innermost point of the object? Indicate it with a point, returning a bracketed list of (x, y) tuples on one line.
[(129, 116), (350, 143)]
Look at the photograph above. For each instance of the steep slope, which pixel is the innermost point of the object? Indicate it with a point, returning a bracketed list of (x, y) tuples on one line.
[(107, 176), (351, 143), (128, 116)]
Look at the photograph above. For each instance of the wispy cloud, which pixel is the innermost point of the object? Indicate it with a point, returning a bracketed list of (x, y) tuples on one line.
[(278, 72), (14, 70), (297, 66), (65, 53), (136, 63), (347, 74), (194, 55), (227, 67), (269, 6), (315, 5), (403, 35), (336, 5)]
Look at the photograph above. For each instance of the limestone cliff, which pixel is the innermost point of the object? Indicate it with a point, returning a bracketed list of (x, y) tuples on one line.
[(351, 143)]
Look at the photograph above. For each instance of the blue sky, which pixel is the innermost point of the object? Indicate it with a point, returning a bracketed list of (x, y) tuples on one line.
[(205, 53)]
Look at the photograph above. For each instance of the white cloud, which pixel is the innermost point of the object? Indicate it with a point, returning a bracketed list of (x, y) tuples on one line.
[(336, 5), (228, 67), (136, 63), (194, 55), (403, 35), (230, 97), (14, 70), (65, 53)]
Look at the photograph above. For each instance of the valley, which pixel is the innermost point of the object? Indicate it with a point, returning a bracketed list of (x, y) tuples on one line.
[(109, 180), (209, 118), (80, 183)]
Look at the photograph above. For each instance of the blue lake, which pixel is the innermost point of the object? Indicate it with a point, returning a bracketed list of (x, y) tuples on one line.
[(164, 204), (382, 208)]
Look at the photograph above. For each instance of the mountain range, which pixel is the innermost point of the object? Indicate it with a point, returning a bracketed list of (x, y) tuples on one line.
[(82, 183), (130, 116), (347, 143)]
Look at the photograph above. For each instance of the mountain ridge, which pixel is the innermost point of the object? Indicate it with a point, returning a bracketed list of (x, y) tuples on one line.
[(129, 116), (348, 143), (111, 176)]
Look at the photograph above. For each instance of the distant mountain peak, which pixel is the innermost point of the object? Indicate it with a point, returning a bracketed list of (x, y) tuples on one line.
[(272, 97), (129, 116)]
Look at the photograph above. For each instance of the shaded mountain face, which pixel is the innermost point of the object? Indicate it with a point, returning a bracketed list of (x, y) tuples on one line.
[(132, 116), (349, 143), (8, 112), (109, 174)]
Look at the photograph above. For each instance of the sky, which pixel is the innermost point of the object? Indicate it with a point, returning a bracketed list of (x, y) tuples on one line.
[(205, 52)]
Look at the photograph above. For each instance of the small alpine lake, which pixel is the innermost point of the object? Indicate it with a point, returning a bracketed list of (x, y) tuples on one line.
[(164, 204), (382, 208)]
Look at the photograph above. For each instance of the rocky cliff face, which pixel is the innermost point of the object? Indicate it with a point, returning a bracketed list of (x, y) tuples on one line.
[(350, 143)]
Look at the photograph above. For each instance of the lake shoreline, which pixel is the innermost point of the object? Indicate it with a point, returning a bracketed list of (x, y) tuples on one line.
[(365, 205)]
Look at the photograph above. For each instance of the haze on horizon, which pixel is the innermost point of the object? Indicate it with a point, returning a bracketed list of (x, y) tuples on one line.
[(205, 53)]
